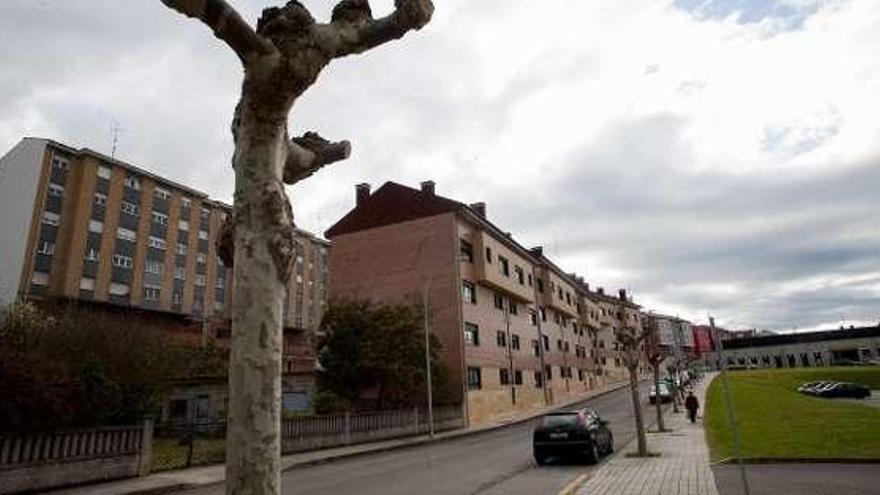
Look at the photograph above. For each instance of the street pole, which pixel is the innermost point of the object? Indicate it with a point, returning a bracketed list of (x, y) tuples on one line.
[(729, 404), (428, 363)]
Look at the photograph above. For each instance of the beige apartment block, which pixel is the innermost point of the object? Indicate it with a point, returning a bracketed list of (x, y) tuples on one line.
[(508, 319)]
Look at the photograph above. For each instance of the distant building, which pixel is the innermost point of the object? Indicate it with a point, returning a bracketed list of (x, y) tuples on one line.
[(82, 228), (499, 309)]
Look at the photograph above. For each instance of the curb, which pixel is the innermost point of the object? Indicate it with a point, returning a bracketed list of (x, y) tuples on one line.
[(410, 444), (732, 461)]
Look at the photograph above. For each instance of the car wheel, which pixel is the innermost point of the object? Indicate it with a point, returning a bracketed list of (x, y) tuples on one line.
[(540, 458), (593, 454), (610, 444)]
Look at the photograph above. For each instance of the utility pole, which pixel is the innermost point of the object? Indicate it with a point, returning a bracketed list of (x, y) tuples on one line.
[(428, 384), (729, 404)]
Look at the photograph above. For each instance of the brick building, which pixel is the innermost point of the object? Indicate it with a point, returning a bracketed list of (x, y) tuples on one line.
[(84, 228), (508, 319)]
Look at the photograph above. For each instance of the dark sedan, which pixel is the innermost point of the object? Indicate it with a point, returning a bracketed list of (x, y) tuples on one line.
[(572, 433), (844, 389)]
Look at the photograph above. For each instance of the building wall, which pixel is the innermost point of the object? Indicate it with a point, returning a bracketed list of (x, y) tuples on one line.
[(394, 264), (20, 172), (800, 355)]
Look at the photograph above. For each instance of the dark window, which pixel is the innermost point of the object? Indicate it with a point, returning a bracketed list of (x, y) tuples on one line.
[(517, 377), (548, 372), (468, 292), (504, 266), (501, 339), (499, 301), (530, 280), (512, 308), (520, 275), (536, 350), (540, 285), (178, 409), (471, 334), (466, 250), (567, 348), (504, 376), (580, 374), (539, 380), (559, 345), (533, 317), (546, 342), (543, 314), (514, 342), (488, 255), (474, 378)]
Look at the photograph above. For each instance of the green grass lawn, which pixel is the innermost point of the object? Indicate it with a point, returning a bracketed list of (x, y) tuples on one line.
[(775, 421)]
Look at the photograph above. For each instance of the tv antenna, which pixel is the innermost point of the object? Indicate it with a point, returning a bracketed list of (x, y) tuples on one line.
[(114, 131)]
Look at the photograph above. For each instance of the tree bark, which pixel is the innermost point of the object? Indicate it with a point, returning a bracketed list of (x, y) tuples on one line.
[(637, 408), (658, 403)]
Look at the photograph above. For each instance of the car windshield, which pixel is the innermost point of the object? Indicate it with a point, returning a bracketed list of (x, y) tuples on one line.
[(561, 419)]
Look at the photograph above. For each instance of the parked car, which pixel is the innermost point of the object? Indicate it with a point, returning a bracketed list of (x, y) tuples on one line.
[(845, 389), (665, 394), (572, 433)]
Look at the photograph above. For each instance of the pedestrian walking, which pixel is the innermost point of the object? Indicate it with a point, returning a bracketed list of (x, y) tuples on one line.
[(692, 404)]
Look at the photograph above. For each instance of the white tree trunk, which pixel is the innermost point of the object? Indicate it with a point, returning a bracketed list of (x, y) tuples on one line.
[(637, 409), (254, 437)]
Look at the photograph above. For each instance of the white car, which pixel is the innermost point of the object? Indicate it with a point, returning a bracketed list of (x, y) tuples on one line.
[(665, 394)]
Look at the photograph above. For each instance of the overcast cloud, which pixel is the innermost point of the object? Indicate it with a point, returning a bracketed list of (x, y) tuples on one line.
[(712, 156)]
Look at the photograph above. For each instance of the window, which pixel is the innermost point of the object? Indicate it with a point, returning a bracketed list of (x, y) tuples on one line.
[(160, 193), (539, 379), (543, 314), (91, 254), (514, 342), (501, 339), (540, 285), (517, 377), (200, 280), (202, 402), (185, 203), (489, 255), (511, 307), (499, 301), (119, 289), (533, 317), (617, 362), (201, 258), (221, 283), (567, 348), (580, 374), (177, 297), (520, 275), (504, 266), (474, 378), (559, 345), (181, 249), (40, 278), (125, 234), (96, 226), (60, 163), (46, 247), (155, 242), (180, 273), (471, 334), (160, 218), (100, 199), (203, 235), (183, 225), (122, 261), (468, 292), (536, 349), (129, 208), (56, 190), (50, 218), (466, 250), (504, 376), (548, 371), (151, 293), (132, 183), (530, 280), (546, 340), (601, 344), (205, 214), (104, 172), (86, 283), (156, 267)]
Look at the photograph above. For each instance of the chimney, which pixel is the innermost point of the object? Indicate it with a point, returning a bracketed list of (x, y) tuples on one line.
[(362, 193), (479, 209), (537, 250), (428, 187), (622, 293), (600, 290)]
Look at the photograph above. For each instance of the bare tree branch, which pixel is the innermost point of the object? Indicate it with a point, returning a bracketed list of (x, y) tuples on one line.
[(309, 153), (353, 29), (226, 24)]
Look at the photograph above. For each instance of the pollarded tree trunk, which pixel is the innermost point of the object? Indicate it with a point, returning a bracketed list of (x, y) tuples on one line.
[(658, 403), (282, 58), (641, 437)]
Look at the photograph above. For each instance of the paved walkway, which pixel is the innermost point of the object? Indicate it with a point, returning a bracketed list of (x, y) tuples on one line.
[(681, 469), (168, 481)]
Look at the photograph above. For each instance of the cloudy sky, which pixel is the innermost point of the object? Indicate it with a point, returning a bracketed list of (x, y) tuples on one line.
[(712, 156)]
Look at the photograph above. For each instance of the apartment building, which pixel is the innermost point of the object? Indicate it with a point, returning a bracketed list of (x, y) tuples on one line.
[(82, 227), (608, 316), (506, 316)]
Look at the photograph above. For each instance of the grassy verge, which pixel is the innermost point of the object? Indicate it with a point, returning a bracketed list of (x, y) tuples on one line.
[(168, 453), (775, 421)]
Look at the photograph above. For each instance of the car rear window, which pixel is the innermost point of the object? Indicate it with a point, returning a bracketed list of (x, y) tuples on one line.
[(561, 419)]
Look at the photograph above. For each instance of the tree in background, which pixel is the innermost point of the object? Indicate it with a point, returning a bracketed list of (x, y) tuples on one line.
[(656, 354), (630, 337), (375, 350), (79, 369), (282, 56)]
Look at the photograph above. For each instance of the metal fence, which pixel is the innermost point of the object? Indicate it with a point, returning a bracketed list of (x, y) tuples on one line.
[(179, 446)]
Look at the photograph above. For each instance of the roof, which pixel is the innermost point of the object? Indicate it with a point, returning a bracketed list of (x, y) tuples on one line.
[(802, 338), (390, 204)]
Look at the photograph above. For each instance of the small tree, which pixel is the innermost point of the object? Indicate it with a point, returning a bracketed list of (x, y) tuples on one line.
[(656, 353), (631, 338), (282, 57), (378, 348)]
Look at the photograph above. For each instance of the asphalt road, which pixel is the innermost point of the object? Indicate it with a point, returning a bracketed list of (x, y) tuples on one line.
[(498, 462), (800, 479)]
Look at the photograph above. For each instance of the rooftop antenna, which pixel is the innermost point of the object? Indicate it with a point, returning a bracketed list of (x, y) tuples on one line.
[(115, 129)]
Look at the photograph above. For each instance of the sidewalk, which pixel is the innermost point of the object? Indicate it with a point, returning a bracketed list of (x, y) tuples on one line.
[(169, 481), (681, 469)]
